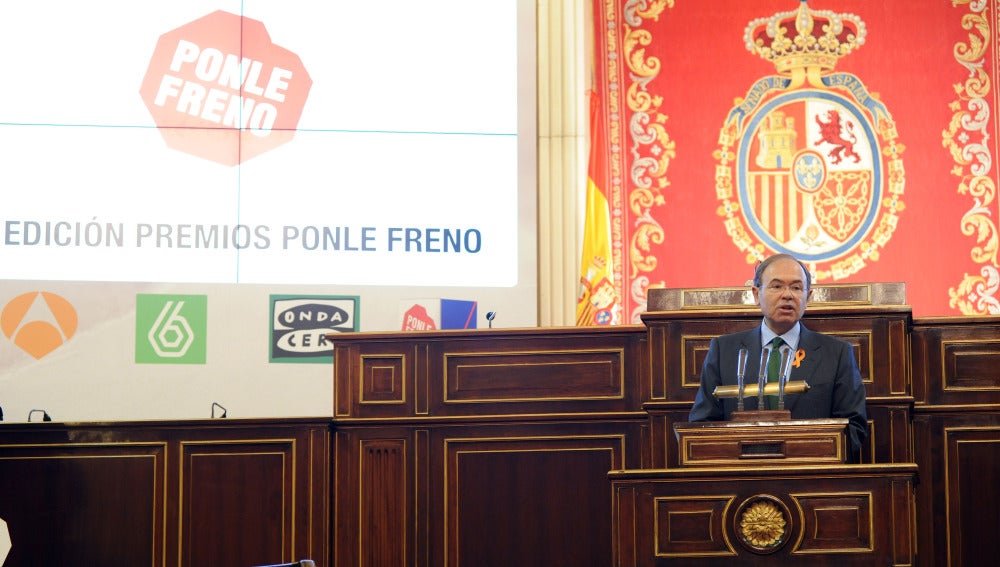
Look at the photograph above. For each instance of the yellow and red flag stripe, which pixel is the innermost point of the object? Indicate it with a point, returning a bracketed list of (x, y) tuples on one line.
[(598, 302)]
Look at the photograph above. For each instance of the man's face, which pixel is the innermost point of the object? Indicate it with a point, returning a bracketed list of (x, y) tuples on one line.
[(783, 295)]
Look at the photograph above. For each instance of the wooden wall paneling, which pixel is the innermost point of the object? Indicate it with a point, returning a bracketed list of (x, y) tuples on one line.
[(972, 475), (345, 370), (921, 350), (881, 346), (70, 504), (245, 484), (550, 373), (441, 438), (930, 509), (423, 504), (678, 346), (316, 521), (383, 501), (889, 434), (880, 339), (663, 441), (527, 494), (469, 373), (221, 492), (659, 354), (957, 361), (903, 524), (899, 354), (477, 377), (624, 545), (955, 370), (507, 492), (376, 495), (514, 429), (959, 507), (252, 492)]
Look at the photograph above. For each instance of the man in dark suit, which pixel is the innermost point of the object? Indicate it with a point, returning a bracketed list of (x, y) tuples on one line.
[(781, 287)]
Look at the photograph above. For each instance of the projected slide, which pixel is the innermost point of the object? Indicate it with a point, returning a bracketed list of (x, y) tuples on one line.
[(257, 141)]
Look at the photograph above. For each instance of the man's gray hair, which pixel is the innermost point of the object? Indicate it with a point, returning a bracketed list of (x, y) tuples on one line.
[(759, 270)]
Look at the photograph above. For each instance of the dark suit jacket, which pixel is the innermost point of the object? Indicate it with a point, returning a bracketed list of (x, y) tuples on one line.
[(835, 387)]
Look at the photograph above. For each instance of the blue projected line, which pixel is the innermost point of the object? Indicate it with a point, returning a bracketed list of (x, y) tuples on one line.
[(432, 133), (330, 130)]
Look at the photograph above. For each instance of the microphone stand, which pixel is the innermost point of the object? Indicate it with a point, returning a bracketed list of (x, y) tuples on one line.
[(765, 353), (779, 388), (218, 405), (786, 369), (741, 370)]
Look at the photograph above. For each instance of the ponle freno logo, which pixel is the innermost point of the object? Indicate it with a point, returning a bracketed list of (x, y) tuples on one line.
[(217, 88)]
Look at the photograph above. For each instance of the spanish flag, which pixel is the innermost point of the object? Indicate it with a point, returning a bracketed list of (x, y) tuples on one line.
[(597, 302)]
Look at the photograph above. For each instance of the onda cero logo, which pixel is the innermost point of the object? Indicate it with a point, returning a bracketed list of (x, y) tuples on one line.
[(38, 322), (217, 88), (300, 325)]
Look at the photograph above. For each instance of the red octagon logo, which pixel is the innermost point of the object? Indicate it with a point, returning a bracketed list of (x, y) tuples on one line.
[(217, 88), (416, 318)]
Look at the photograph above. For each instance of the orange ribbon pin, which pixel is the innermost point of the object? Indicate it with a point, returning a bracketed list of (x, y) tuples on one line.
[(800, 355)]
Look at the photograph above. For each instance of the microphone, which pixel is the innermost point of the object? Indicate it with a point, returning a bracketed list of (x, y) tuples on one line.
[(762, 375), (490, 316), (741, 370), (786, 369), (45, 415), (217, 405)]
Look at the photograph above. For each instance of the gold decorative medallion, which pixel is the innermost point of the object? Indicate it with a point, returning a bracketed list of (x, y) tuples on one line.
[(761, 524)]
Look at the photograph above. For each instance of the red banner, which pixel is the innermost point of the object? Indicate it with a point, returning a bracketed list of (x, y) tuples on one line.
[(856, 135)]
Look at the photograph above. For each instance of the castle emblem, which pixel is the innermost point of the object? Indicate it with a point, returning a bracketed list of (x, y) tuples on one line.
[(808, 162)]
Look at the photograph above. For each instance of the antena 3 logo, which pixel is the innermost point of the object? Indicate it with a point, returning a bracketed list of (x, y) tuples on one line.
[(217, 88), (170, 329), (299, 326), (38, 322)]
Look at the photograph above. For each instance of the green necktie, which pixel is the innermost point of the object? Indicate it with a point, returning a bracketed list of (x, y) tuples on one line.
[(773, 370)]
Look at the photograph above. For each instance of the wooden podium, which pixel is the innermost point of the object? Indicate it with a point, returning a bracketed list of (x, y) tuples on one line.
[(763, 487), (746, 442), (773, 514)]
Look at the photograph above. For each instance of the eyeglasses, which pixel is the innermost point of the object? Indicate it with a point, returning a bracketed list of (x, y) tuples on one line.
[(779, 289)]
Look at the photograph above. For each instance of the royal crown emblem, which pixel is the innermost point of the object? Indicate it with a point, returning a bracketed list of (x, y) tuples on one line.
[(808, 162)]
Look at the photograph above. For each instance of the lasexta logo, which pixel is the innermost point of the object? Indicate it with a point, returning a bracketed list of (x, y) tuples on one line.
[(218, 88), (171, 329)]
